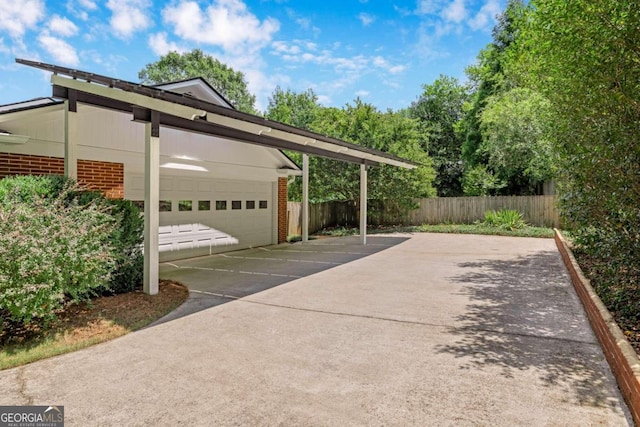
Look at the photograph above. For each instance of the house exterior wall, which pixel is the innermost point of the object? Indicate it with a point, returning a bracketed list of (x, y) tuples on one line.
[(194, 168), (107, 177)]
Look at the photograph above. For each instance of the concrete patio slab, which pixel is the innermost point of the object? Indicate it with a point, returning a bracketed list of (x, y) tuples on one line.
[(446, 330)]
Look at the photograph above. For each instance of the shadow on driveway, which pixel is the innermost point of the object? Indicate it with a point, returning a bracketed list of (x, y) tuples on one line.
[(216, 279), (524, 315)]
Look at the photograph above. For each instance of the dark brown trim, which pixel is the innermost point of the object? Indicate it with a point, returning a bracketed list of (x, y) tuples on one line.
[(155, 124), (73, 101)]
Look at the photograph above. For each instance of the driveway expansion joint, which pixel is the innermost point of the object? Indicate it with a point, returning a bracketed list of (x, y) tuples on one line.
[(22, 383)]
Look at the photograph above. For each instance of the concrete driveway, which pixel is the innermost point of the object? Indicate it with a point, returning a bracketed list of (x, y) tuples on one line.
[(425, 329)]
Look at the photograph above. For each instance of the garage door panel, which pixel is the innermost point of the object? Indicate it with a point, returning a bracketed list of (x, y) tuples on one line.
[(197, 232)]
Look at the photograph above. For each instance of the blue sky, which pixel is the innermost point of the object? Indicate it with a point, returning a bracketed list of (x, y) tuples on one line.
[(380, 51)]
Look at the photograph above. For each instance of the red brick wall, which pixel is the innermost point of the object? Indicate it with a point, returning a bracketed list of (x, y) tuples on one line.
[(107, 177), (282, 210), (621, 356)]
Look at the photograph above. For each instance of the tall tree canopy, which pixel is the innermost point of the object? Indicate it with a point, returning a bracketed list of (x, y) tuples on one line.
[(515, 140), (179, 66), (439, 108), (583, 55), (505, 148), (362, 124), (295, 109), (487, 77)]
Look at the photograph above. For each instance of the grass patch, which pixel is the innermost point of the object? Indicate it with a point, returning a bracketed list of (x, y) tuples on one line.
[(92, 322), (525, 231)]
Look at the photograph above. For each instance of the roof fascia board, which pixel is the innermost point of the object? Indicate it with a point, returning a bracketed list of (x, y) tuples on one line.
[(129, 97), (91, 99)]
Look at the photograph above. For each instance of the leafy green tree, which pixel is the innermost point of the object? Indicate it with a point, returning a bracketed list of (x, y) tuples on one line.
[(363, 124), (439, 108), (582, 56), (515, 139), (487, 78), (178, 66), (295, 109), (479, 181)]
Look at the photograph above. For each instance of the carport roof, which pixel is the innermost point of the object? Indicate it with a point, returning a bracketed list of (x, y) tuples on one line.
[(151, 104)]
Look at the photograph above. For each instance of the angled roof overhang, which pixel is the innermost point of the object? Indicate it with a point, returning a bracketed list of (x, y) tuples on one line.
[(195, 115)]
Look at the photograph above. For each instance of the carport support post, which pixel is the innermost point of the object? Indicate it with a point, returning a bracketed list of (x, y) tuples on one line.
[(71, 136), (363, 204), (151, 203), (305, 197)]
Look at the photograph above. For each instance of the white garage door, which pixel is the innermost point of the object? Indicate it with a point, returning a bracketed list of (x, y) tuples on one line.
[(201, 217)]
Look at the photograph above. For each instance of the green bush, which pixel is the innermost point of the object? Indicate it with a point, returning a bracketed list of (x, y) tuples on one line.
[(52, 249), (507, 219), (61, 244), (28, 188), (611, 262), (126, 239)]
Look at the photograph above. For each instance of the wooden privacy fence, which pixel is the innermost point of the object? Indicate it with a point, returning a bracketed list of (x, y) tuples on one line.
[(537, 210), (321, 215)]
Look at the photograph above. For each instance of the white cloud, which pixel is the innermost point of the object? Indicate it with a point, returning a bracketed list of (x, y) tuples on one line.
[(397, 69), (62, 26), (383, 64), (284, 48), (262, 84), (362, 93), (225, 23), (161, 46), (3, 47), (79, 8), (366, 19), (60, 50), (427, 7), (88, 4), (16, 17), (109, 62), (353, 66), (129, 16), (456, 11), (379, 61), (485, 17), (303, 22)]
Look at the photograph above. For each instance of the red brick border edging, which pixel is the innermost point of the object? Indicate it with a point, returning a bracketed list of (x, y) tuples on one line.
[(622, 358)]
